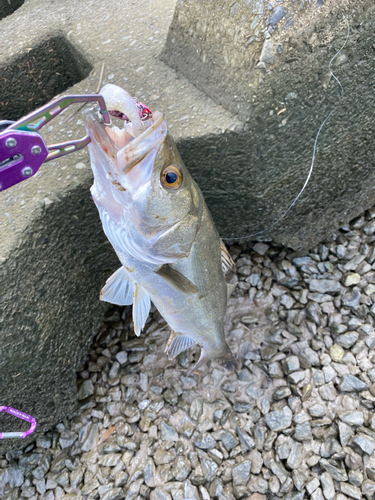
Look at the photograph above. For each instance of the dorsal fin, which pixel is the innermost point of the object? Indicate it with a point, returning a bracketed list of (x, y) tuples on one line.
[(176, 279), (118, 289), (227, 263), (141, 308), (177, 343)]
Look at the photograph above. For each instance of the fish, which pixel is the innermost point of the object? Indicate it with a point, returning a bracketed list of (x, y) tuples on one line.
[(156, 219)]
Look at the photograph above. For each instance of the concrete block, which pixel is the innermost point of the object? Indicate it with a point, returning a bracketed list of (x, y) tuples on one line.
[(267, 62), (53, 253)]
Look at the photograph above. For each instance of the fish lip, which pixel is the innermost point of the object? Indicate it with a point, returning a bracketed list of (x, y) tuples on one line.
[(131, 147)]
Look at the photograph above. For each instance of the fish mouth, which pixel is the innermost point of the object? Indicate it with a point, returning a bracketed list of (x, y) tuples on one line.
[(142, 131)]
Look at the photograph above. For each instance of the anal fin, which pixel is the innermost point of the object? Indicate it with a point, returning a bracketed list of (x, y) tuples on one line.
[(175, 279), (178, 343), (141, 308), (118, 289)]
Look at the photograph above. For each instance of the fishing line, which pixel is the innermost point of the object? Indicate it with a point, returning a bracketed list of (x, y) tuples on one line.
[(314, 150)]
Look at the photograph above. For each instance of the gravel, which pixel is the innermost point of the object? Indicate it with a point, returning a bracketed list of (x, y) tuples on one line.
[(295, 422)]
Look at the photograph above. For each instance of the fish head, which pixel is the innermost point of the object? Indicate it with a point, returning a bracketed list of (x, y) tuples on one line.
[(141, 181)]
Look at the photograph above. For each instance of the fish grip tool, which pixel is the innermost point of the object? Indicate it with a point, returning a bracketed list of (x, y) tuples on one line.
[(22, 148), (22, 416)]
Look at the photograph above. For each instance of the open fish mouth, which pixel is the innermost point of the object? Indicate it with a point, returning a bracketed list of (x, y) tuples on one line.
[(142, 130)]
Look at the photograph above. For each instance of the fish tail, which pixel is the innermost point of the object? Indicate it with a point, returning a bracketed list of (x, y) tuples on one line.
[(229, 361), (201, 361)]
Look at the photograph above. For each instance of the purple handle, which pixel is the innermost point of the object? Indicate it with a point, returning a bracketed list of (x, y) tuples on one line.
[(23, 416), (23, 153)]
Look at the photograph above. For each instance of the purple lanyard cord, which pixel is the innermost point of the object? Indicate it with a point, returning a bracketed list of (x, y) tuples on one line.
[(23, 416)]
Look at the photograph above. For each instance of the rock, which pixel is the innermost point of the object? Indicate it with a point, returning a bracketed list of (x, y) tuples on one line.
[(181, 469), (337, 353), (278, 13), (242, 407), (170, 396), (86, 390), (355, 477), (312, 485), (110, 459), (256, 461), (351, 491), (282, 393), (167, 433), (162, 457), (275, 370), (241, 472), (90, 486), (114, 494), (91, 438), (279, 470), (327, 392), (196, 408), (122, 357), (267, 54), (67, 438), (328, 486), (133, 490), (317, 410), (229, 441), (279, 420), (351, 279), (303, 432), (345, 432), (368, 489), (365, 443), (295, 456), (43, 442), (291, 364), (347, 340), (247, 443), (325, 286), (205, 441), (260, 248), (16, 477), (58, 463), (317, 495), (352, 384), (336, 473), (352, 299), (352, 417), (329, 373)]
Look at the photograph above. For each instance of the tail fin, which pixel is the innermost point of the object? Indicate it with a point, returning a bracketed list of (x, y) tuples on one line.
[(228, 361), (201, 361)]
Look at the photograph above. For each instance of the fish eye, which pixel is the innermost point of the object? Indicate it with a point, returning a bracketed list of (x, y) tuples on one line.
[(171, 177)]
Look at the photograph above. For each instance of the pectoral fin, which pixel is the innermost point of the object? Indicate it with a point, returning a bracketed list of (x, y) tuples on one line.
[(141, 308), (176, 344), (175, 279), (118, 289)]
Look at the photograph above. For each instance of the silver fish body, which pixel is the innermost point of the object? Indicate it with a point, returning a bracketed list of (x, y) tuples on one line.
[(155, 217)]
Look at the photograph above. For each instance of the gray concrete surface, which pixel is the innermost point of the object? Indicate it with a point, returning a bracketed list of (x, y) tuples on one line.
[(54, 256), (268, 63)]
